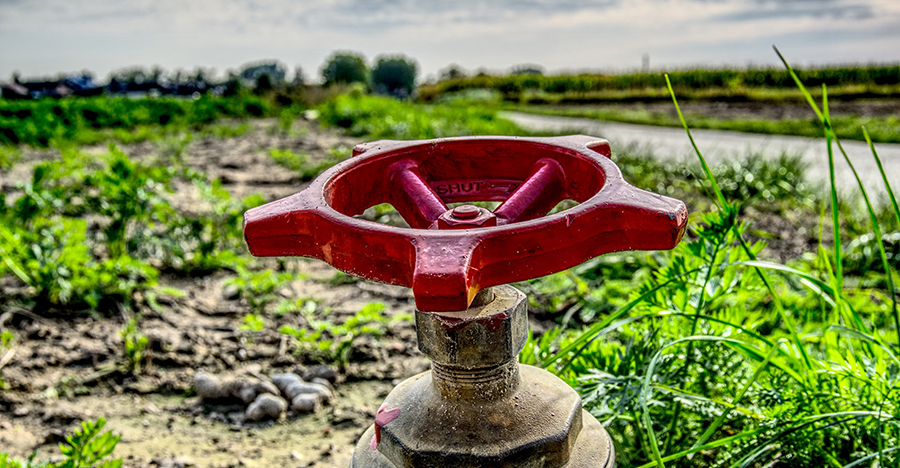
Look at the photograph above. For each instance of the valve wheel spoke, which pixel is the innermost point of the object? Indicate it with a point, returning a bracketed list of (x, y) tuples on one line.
[(541, 191), (417, 203)]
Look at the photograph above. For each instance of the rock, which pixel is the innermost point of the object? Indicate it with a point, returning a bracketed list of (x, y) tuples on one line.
[(247, 394), (266, 387), (209, 387), (283, 381), (321, 372), (325, 391), (300, 388), (172, 462), (324, 382), (305, 403), (266, 406), (231, 292)]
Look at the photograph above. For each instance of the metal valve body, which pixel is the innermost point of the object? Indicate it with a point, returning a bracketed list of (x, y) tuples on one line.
[(477, 407)]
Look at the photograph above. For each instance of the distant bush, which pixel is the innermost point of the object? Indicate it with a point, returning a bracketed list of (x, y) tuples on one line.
[(513, 85), (345, 68), (395, 76), (82, 120)]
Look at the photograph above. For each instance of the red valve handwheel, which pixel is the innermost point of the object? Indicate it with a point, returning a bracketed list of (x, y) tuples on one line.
[(447, 256)]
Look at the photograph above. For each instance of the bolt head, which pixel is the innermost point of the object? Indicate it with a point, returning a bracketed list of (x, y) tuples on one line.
[(466, 217)]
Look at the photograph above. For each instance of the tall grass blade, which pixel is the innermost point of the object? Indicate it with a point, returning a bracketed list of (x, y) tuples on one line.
[(775, 298), (709, 174), (830, 136), (887, 185)]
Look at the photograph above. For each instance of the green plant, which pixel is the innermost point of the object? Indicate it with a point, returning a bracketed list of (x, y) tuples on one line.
[(9, 156), (200, 241), (253, 323), (92, 120), (718, 358), (54, 259), (259, 287), (127, 193), (329, 342), (135, 345), (84, 448)]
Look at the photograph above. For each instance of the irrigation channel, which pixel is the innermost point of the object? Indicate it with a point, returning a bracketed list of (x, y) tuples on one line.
[(720, 146)]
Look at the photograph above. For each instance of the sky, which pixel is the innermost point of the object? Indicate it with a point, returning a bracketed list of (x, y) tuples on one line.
[(46, 37)]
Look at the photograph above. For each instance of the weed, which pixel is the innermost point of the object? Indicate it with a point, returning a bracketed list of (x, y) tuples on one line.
[(135, 345), (253, 323), (332, 343), (94, 120), (87, 447), (9, 156), (259, 287)]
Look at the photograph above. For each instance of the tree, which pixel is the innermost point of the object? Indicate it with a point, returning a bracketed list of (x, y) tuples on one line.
[(395, 76), (527, 69), (347, 67), (452, 72)]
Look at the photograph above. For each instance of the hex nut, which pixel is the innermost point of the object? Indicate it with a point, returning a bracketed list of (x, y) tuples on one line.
[(483, 336)]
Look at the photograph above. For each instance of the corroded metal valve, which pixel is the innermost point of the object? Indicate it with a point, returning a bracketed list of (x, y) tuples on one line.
[(477, 407)]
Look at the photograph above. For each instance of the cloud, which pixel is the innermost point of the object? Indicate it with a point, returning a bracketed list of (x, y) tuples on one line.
[(792, 9)]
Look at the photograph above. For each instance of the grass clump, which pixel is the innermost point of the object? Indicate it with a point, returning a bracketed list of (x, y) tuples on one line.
[(380, 117), (718, 358)]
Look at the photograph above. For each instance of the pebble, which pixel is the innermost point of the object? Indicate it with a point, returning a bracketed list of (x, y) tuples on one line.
[(298, 388), (266, 406), (282, 381), (305, 403), (208, 386), (268, 400), (321, 372), (231, 292)]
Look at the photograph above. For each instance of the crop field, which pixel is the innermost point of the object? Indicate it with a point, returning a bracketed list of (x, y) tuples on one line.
[(768, 338)]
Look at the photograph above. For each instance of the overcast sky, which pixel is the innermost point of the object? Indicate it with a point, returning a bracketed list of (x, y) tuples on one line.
[(45, 37)]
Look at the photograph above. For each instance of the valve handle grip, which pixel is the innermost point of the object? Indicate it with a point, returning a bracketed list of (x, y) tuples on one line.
[(449, 255)]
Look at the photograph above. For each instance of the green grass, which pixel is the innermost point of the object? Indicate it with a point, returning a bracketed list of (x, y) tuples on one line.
[(379, 117), (713, 357), (44, 122), (881, 129)]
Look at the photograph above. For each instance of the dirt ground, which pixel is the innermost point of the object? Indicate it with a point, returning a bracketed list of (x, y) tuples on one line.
[(62, 368)]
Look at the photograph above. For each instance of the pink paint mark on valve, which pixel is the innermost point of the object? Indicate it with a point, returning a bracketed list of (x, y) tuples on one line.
[(382, 417)]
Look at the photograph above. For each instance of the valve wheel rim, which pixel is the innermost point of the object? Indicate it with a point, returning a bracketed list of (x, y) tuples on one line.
[(447, 267)]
